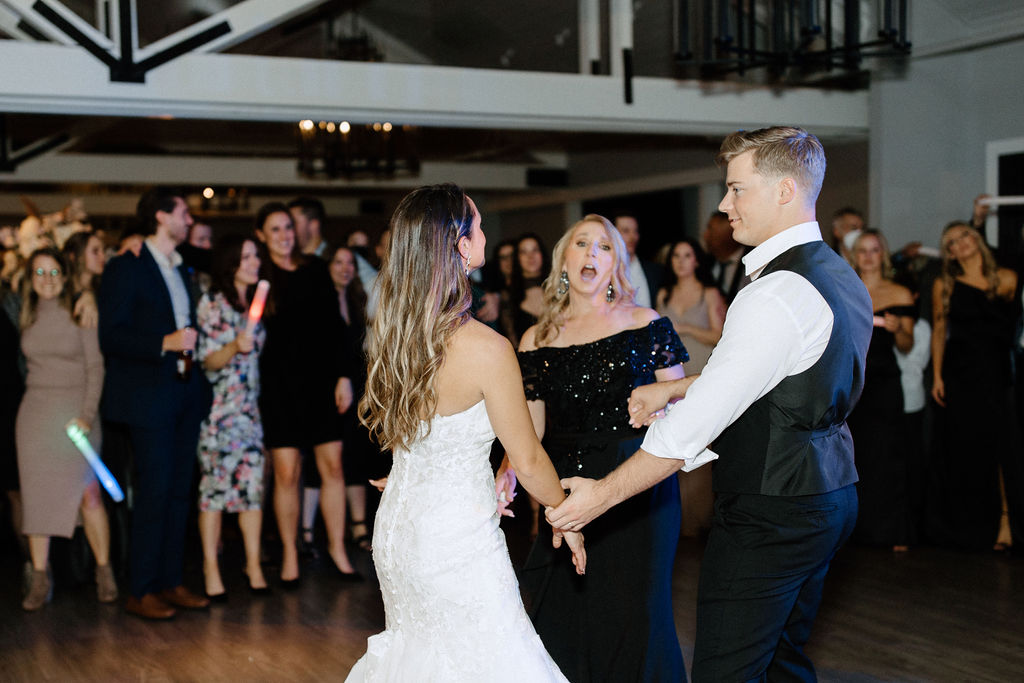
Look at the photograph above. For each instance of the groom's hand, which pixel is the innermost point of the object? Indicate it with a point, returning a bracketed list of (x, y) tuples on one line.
[(586, 502)]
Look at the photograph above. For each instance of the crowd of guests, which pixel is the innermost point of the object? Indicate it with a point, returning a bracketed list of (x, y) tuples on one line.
[(154, 345), (148, 343), (946, 326)]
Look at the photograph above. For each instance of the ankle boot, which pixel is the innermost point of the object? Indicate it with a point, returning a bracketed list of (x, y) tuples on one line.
[(39, 593), (106, 586)]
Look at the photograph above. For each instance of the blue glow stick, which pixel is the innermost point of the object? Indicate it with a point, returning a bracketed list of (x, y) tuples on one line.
[(81, 441)]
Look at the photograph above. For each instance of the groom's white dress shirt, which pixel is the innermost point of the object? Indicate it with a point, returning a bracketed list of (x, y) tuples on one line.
[(777, 326)]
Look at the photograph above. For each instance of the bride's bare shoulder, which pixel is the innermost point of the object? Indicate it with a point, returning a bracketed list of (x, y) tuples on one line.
[(479, 342)]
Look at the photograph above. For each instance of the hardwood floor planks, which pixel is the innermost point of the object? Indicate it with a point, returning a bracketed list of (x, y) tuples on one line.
[(927, 615)]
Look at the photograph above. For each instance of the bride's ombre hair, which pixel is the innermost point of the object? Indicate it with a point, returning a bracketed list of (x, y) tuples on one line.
[(424, 296), (555, 304)]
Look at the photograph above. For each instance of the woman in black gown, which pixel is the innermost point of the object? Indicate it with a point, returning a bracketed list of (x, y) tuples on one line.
[(877, 420), (590, 348), (305, 385), (972, 340)]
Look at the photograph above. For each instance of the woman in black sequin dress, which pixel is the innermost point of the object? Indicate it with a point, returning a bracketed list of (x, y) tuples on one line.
[(588, 351)]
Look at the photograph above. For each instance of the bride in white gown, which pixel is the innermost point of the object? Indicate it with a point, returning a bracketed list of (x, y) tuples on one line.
[(440, 386)]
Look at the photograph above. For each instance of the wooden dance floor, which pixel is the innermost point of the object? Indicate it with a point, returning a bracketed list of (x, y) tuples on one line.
[(927, 615)]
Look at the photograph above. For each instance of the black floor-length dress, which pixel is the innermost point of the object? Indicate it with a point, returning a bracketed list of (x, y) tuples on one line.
[(875, 424), (977, 431), (615, 623)]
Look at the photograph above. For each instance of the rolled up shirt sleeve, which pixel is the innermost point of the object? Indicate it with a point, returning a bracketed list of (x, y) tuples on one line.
[(777, 326)]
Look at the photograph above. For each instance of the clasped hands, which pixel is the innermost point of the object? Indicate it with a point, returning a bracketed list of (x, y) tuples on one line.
[(590, 498)]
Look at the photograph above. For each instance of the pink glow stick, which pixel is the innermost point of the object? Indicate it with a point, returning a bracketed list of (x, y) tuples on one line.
[(259, 300)]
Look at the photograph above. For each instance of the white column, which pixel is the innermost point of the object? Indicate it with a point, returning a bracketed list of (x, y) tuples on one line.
[(621, 32), (590, 34)]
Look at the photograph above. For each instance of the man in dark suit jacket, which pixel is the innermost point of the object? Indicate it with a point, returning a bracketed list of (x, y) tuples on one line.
[(147, 320), (728, 255), (772, 402)]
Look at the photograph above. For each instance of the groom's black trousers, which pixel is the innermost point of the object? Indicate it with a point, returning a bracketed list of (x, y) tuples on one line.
[(761, 581)]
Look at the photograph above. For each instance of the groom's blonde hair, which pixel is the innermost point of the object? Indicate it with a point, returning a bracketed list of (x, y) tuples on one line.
[(780, 152)]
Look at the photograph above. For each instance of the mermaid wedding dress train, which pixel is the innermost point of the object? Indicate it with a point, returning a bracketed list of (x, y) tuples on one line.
[(451, 599)]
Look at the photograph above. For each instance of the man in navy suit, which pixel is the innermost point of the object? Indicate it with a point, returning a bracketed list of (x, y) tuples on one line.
[(147, 318)]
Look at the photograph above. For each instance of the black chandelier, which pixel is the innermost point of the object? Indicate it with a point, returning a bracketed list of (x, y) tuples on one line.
[(802, 42), (339, 149)]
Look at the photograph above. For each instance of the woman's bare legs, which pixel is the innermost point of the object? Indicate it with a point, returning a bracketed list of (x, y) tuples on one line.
[(332, 501), (209, 532), (287, 467), (96, 524), (356, 494), (250, 522)]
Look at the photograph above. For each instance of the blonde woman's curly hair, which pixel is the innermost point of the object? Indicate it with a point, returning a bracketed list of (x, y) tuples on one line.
[(424, 297), (555, 304)]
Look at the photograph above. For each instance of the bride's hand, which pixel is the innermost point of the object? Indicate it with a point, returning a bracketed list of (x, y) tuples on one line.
[(379, 484), (647, 403), (574, 539), (505, 489)]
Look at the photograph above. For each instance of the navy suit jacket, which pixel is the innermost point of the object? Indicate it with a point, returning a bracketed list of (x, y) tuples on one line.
[(141, 385)]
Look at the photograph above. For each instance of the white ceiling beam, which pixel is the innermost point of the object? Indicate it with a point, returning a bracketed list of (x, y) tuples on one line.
[(9, 21), (247, 19), (24, 9), (193, 171), (45, 78)]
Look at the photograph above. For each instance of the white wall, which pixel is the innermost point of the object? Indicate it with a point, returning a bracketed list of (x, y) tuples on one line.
[(929, 127)]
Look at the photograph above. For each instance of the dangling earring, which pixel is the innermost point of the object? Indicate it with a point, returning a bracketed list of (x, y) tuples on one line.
[(468, 258), (563, 284), (610, 294)]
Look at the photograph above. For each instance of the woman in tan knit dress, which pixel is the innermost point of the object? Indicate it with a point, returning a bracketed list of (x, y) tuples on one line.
[(65, 377)]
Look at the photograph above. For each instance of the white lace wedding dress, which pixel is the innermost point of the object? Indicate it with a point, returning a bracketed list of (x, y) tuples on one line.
[(451, 599)]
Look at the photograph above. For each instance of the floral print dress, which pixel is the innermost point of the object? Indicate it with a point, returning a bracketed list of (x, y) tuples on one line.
[(231, 437)]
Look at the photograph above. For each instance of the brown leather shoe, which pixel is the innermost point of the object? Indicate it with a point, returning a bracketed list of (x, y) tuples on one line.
[(149, 606), (179, 596)]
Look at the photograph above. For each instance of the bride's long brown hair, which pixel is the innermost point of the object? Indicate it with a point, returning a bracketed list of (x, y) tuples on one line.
[(424, 296)]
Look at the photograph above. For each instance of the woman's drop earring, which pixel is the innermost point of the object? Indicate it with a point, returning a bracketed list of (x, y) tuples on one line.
[(610, 294), (468, 258), (563, 284)]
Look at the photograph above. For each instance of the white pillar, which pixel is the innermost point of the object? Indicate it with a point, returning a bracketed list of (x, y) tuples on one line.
[(621, 32), (590, 34)]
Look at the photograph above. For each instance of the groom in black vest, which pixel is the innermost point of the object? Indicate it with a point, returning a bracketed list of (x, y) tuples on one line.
[(772, 403)]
